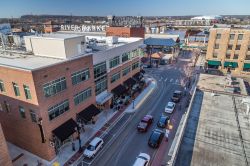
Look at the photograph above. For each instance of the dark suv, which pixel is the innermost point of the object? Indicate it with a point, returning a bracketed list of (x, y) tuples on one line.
[(176, 96), (155, 138)]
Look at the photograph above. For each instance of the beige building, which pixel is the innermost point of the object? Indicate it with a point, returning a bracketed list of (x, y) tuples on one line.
[(229, 50)]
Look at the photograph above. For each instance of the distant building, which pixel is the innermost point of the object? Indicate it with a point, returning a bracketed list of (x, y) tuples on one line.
[(229, 50), (126, 31), (51, 26)]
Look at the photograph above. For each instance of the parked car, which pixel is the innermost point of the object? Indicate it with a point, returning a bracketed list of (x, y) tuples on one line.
[(145, 123), (163, 121), (155, 138), (94, 146), (142, 160), (170, 107), (176, 96)]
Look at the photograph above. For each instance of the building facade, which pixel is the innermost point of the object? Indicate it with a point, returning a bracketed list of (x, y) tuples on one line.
[(4, 152), (229, 50), (46, 91), (125, 31)]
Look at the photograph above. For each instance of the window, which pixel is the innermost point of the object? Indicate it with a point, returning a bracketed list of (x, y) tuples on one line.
[(216, 46), (115, 77), (247, 57), (16, 89), (114, 62), (134, 54), (240, 36), (27, 91), (230, 47), (7, 106), (58, 109), (135, 65), (236, 56), (232, 36), (33, 116), (215, 55), (228, 56), (2, 88), (82, 96), (101, 85), (80, 76), (218, 36), (100, 70), (125, 57), (54, 87), (237, 47), (126, 71), (22, 112)]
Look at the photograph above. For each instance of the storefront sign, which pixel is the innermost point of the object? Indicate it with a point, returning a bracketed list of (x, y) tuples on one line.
[(84, 28)]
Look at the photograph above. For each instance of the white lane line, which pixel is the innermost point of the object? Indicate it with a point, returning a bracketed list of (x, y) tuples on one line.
[(171, 79), (176, 81), (166, 79)]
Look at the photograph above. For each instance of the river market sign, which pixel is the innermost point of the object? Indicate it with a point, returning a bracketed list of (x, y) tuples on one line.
[(84, 28)]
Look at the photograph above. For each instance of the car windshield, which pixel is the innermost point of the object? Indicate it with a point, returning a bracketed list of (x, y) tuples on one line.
[(91, 148), (141, 157), (176, 94), (170, 106)]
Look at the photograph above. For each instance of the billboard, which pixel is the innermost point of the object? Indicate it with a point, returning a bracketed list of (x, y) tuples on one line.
[(84, 28)]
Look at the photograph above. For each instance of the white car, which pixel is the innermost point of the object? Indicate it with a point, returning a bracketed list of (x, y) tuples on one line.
[(170, 107), (94, 146), (142, 160)]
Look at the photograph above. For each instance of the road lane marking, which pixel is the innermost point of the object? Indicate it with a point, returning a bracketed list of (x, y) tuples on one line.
[(176, 81), (171, 79), (166, 79)]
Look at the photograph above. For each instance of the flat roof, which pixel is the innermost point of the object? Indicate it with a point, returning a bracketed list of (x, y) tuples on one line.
[(217, 132), (26, 62), (56, 36)]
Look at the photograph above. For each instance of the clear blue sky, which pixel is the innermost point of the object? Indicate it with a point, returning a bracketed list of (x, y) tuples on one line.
[(16, 8)]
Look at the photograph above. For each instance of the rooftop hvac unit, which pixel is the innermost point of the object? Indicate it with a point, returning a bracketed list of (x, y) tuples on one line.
[(112, 40)]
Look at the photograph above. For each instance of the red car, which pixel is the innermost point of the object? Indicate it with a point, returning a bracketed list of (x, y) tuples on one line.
[(145, 123)]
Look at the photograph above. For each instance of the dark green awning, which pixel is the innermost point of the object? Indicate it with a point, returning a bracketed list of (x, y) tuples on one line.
[(231, 64), (246, 66), (214, 63)]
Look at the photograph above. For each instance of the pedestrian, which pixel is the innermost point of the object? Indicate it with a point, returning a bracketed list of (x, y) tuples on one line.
[(166, 135)]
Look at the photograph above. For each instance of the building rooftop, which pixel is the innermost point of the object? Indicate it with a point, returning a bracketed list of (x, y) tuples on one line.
[(217, 132), (26, 61), (56, 36), (160, 42)]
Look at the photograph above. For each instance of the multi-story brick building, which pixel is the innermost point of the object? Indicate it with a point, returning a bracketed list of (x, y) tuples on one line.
[(229, 50), (125, 31), (4, 152), (45, 90)]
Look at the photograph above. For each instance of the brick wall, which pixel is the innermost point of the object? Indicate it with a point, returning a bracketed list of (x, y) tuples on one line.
[(5, 159), (125, 31)]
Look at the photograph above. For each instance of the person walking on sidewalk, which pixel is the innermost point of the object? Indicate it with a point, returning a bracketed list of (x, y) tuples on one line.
[(166, 135)]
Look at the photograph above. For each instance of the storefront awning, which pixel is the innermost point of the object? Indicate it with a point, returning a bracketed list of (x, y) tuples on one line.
[(65, 130), (214, 63), (103, 97), (130, 82), (89, 112), (119, 90), (231, 64), (137, 76), (246, 66)]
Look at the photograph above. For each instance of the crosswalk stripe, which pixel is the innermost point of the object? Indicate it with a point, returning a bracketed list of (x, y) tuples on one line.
[(171, 79), (166, 79), (176, 81)]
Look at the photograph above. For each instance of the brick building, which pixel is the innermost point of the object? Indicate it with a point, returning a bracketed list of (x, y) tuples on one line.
[(229, 50), (4, 153), (51, 26), (126, 31), (47, 90)]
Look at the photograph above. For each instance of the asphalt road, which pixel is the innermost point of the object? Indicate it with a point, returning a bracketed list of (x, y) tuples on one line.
[(128, 143)]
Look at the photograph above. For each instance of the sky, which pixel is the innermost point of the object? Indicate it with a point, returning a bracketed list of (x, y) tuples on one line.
[(16, 8)]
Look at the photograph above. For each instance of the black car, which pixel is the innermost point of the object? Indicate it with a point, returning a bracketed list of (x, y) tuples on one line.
[(176, 96), (155, 138), (163, 121)]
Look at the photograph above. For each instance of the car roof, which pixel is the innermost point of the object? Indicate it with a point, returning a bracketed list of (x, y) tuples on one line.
[(158, 130), (95, 141), (144, 155), (177, 91), (147, 117), (171, 103)]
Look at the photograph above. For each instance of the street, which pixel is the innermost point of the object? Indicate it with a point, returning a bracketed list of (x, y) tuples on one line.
[(125, 143)]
